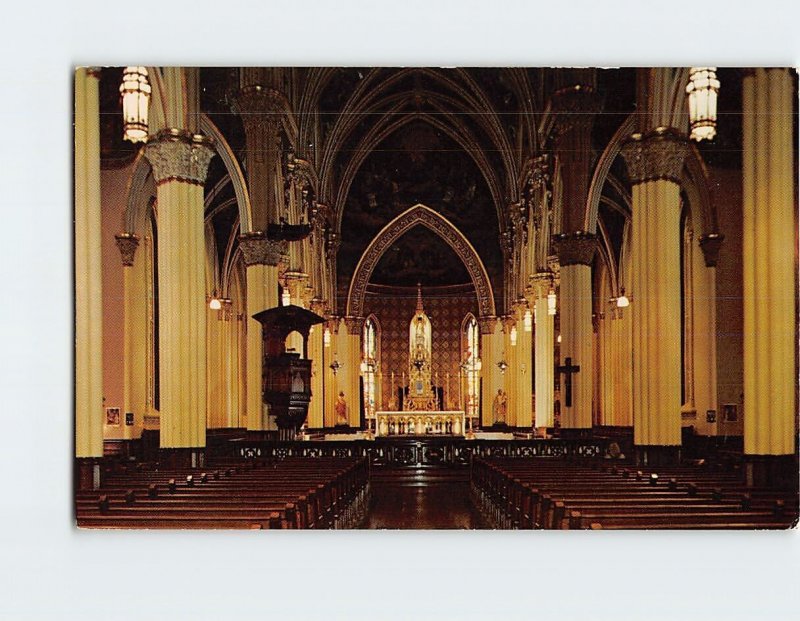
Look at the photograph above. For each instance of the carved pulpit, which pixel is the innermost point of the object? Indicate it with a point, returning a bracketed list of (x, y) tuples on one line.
[(421, 396), (286, 375)]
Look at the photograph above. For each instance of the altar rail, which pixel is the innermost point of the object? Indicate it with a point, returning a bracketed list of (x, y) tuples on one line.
[(417, 451)]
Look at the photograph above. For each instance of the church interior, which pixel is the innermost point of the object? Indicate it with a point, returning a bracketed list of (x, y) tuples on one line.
[(413, 298)]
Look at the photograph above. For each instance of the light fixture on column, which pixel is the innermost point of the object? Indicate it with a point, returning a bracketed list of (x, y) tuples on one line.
[(286, 298), (622, 300), (527, 319), (558, 339), (702, 90), (551, 302), (326, 337), (335, 366), (513, 336), (503, 366), (135, 94), (214, 302)]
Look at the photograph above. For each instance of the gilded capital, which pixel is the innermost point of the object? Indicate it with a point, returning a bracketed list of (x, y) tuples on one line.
[(657, 155), (487, 324), (259, 106), (354, 325), (316, 305), (178, 155), (127, 244), (575, 248), (575, 106), (710, 245), (540, 284), (258, 250)]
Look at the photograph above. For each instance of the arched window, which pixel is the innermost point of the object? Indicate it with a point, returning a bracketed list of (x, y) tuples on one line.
[(369, 365), (471, 365)]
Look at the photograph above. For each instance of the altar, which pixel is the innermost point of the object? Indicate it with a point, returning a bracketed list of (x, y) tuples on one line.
[(416, 422)]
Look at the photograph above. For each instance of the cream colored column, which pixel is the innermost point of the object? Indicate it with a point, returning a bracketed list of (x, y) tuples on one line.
[(544, 362), (180, 163), (134, 336), (351, 338), (509, 380), (489, 358), (88, 262), (331, 390), (770, 245), (316, 349), (261, 257), (576, 251), (654, 164), (523, 396)]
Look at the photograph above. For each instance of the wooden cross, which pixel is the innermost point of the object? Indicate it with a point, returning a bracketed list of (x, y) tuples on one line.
[(568, 369)]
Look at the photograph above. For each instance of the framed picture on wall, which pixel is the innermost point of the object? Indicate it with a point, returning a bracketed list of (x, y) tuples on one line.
[(128, 418), (112, 417), (730, 412)]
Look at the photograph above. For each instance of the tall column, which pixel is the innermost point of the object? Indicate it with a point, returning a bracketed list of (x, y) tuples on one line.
[(770, 260), (316, 348), (133, 334), (490, 356), (330, 356), (88, 279), (575, 253), (654, 164), (180, 162), (351, 372), (544, 361), (261, 257), (522, 397), (509, 379)]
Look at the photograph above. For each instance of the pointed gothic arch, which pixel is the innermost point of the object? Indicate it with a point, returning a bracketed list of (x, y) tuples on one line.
[(420, 215)]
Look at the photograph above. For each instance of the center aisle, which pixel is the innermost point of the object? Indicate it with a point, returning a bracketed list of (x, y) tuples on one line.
[(418, 498)]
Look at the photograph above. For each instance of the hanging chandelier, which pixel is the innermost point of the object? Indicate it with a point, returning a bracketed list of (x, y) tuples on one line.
[(702, 90), (135, 95)]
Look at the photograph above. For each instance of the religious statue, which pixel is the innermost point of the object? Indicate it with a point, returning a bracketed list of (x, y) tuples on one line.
[(499, 407), (341, 410)]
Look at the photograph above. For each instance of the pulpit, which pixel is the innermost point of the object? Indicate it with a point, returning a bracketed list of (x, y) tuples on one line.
[(286, 375)]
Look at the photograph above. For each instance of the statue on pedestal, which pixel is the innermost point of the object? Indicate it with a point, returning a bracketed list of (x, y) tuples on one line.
[(341, 411), (500, 407)]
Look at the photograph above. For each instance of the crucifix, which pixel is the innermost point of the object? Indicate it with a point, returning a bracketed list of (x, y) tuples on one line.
[(568, 369)]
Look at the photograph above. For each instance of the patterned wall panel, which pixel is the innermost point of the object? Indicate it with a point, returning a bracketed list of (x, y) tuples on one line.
[(445, 306)]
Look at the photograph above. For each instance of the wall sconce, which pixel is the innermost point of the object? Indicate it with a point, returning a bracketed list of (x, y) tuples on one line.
[(214, 303), (558, 339), (335, 366), (513, 336), (527, 320), (326, 337), (702, 90), (622, 300), (135, 95), (502, 365), (551, 302)]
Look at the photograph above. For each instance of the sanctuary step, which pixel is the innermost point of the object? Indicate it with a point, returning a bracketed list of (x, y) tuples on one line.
[(419, 476)]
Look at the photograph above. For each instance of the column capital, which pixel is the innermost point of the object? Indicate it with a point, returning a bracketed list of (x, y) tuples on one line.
[(487, 324), (258, 104), (318, 306), (710, 245), (575, 106), (94, 72), (656, 155), (540, 283), (179, 155), (354, 325), (127, 244), (576, 248), (258, 250)]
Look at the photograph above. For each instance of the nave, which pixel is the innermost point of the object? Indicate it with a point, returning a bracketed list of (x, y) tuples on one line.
[(486, 488)]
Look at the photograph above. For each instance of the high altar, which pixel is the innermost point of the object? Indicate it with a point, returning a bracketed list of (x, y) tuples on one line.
[(420, 414)]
